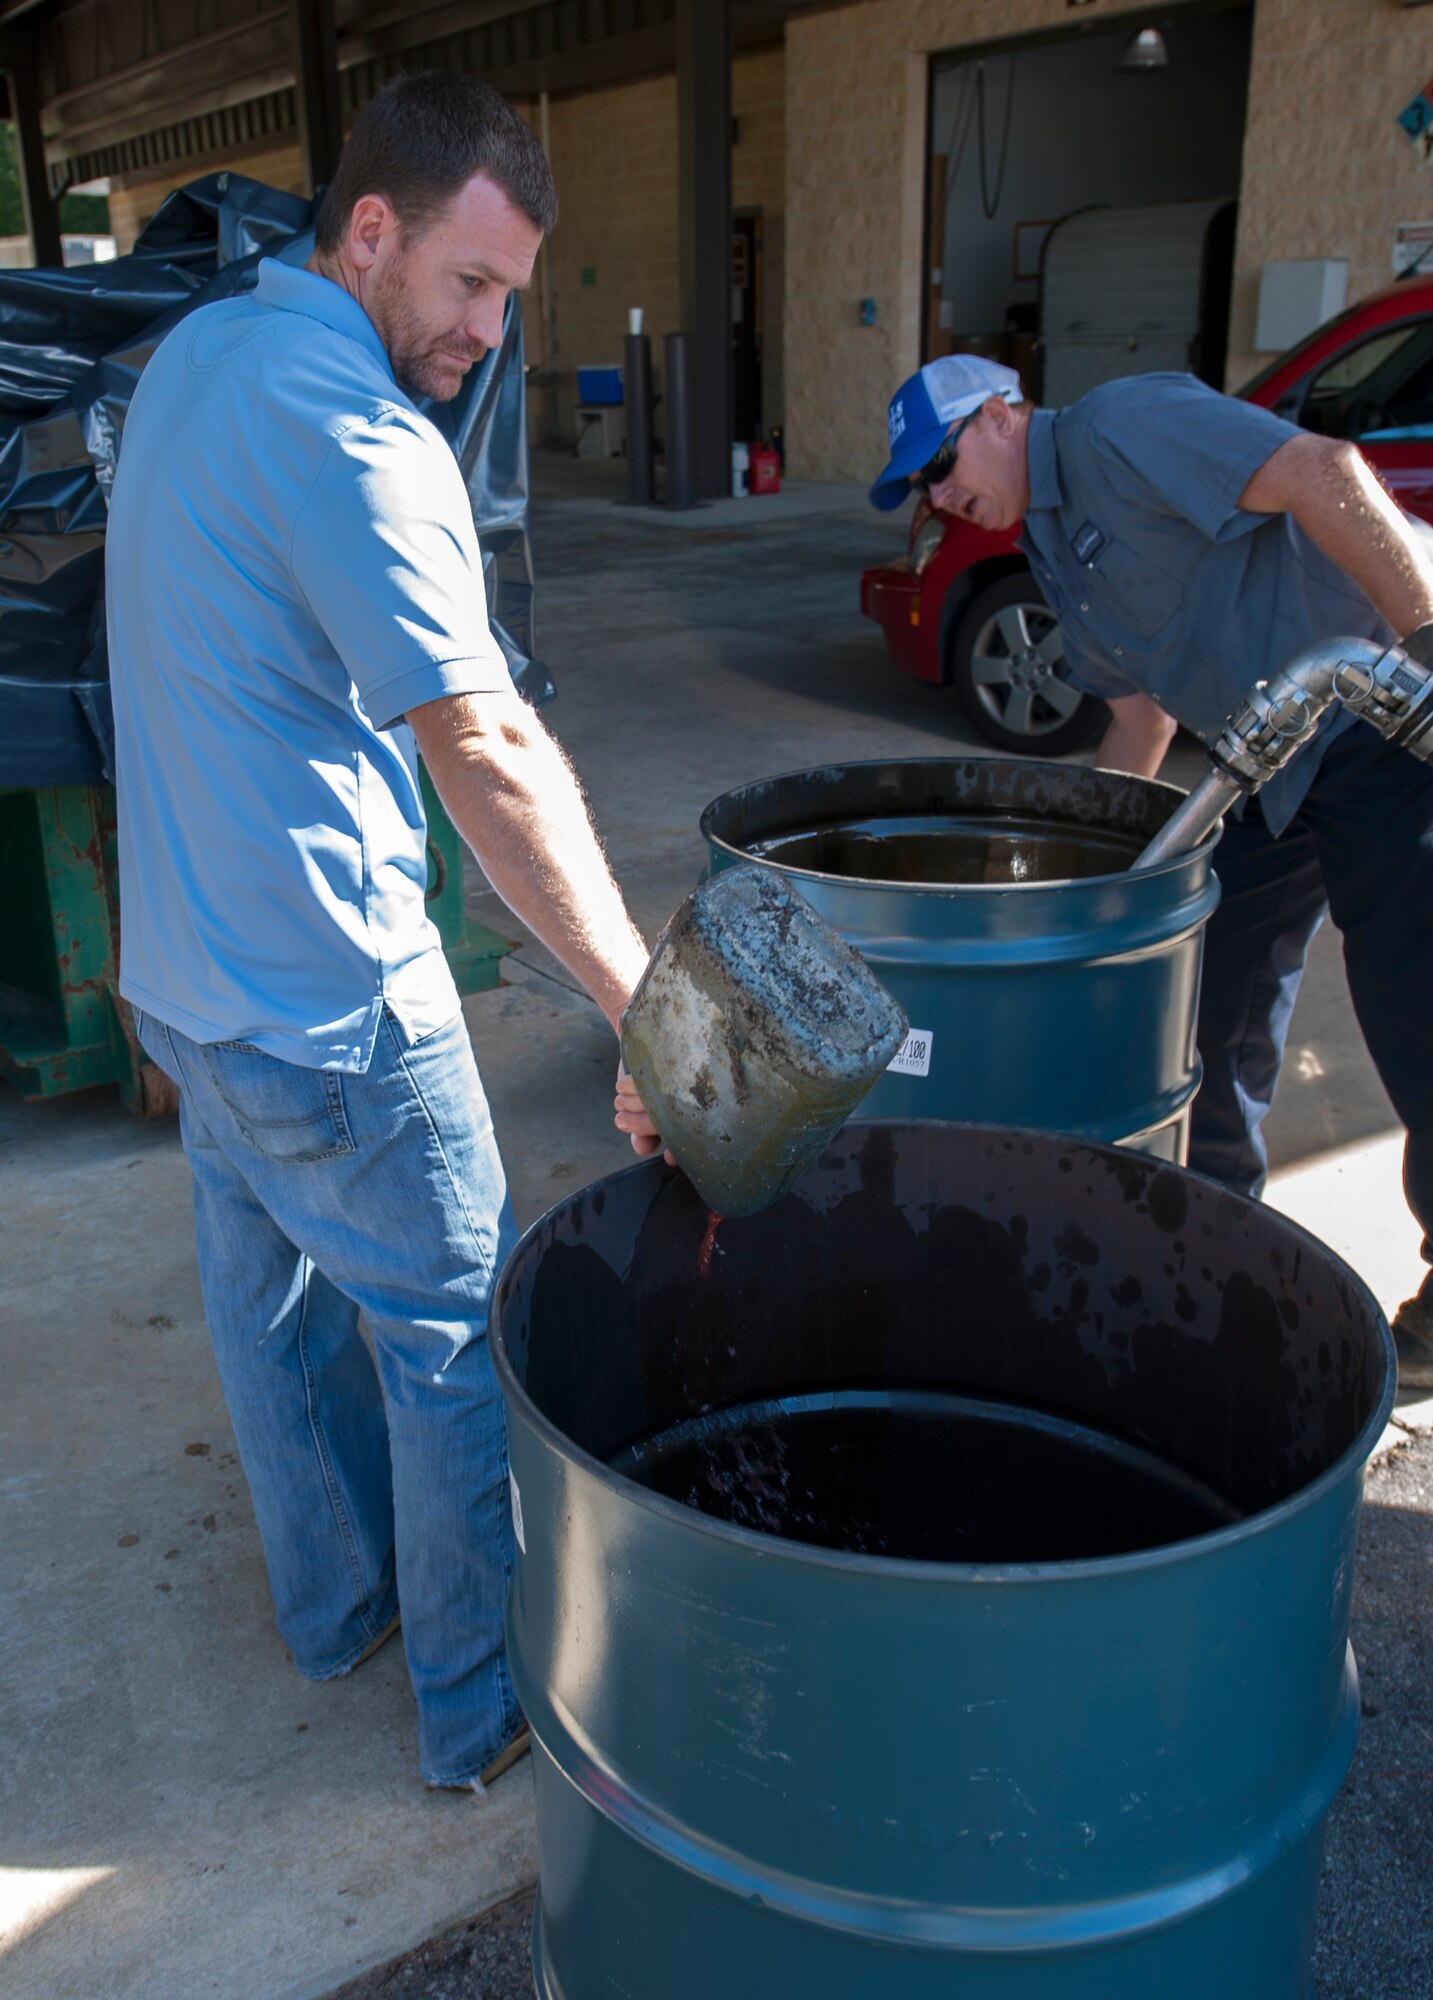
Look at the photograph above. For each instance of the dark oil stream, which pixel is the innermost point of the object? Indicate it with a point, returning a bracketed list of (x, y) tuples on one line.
[(932, 1476), (953, 850)]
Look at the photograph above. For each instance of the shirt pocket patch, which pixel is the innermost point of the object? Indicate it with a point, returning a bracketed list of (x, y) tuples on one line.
[(286, 1112), (1133, 592)]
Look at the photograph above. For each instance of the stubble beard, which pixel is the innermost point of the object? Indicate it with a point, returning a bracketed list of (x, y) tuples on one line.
[(422, 366)]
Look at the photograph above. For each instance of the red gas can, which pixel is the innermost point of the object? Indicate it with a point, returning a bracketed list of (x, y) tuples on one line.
[(763, 469)]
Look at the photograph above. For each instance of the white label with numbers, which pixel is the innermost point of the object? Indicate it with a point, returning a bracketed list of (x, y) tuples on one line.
[(913, 1056)]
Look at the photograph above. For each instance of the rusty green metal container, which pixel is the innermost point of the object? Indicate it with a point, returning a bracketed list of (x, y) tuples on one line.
[(63, 1025)]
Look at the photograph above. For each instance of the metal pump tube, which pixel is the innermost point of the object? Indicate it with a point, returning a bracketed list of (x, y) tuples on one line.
[(1384, 685)]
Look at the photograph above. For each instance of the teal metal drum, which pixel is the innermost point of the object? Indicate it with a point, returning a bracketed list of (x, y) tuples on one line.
[(938, 1583), (1044, 984)]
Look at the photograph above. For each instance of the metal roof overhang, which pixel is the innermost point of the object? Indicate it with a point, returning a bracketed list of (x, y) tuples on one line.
[(191, 99)]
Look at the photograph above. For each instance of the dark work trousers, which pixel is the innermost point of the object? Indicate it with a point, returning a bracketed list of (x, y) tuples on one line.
[(1360, 849)]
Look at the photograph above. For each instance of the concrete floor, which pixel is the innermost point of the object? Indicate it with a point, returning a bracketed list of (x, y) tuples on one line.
[(180, 1815)]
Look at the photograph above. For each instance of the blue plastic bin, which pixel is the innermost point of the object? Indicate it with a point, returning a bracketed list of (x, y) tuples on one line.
[(599, 385)]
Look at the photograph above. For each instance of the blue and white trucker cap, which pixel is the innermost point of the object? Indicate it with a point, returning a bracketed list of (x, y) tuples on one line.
[(923, 410)]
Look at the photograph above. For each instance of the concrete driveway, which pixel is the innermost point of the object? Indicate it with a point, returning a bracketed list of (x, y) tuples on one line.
[(180, 1815)]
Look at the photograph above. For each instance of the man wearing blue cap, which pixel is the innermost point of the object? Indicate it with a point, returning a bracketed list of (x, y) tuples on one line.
[(1190, 543)]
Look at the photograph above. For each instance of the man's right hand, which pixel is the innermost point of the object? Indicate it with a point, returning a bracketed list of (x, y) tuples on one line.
[(632, 1118)]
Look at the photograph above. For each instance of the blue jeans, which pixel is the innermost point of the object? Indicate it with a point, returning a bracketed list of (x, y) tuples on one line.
[(1361, 848), (318, 1196)]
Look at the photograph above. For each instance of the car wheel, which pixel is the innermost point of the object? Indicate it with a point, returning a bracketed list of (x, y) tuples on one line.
[(1007, 664)]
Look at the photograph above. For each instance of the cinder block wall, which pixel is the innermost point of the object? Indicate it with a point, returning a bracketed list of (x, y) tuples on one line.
[(856, 118), (132, 201), (614, 157), (1326, 173)]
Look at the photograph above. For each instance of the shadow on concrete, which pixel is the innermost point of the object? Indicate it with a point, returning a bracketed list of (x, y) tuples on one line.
[(488, 1959)]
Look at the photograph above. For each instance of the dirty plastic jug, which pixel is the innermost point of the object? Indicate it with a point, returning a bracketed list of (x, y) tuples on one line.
[(752, 1036)]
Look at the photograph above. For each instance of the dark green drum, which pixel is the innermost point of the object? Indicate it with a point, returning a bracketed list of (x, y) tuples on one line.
[(937, 1584), (1044, 984)]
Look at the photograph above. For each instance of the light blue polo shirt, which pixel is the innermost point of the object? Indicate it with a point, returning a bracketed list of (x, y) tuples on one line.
[(291, 565), (1162, 583)]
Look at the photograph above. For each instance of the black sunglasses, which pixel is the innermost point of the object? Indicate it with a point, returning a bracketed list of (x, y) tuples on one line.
[(940, 466)]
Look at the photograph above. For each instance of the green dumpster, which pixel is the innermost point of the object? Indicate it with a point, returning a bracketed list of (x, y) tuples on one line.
[(63, 1025)]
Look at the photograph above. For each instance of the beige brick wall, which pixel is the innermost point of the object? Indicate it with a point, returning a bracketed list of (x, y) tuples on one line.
[(758, 180), (614, 158), (758, 103), (1327, 172), (856, 81), (133, 200)]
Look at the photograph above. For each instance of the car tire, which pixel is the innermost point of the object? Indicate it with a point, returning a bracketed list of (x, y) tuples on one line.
[(1007, 665)]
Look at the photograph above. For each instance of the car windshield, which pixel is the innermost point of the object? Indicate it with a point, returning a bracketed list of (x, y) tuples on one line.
[(1266, 374)]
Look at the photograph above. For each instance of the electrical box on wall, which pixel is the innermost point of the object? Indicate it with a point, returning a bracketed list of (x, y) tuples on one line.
[(1295, 297)]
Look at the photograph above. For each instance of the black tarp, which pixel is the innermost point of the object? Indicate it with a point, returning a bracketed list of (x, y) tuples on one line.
[(73, 343)]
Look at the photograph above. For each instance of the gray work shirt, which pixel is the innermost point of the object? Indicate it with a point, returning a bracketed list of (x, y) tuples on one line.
[(1163, 584)]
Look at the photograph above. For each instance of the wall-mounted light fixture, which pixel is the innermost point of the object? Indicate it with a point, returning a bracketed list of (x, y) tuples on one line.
[(1145, 50)]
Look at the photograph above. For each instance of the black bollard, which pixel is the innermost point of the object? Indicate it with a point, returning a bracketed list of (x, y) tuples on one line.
[(637, 393), (681, 487)]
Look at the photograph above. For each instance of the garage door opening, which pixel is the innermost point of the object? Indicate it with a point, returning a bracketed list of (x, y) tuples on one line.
[(1139, 137)]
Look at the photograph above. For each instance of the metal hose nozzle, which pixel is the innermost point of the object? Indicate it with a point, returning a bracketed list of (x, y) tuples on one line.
[(1382, 684)]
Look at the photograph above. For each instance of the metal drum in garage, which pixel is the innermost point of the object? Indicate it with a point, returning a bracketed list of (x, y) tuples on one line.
[(944, 1588), (1044, 983)]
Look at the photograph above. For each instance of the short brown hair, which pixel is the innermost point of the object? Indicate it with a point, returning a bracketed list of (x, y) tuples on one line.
[(421, 140)]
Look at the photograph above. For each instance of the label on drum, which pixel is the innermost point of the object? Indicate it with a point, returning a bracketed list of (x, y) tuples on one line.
[(516, 1509), (912, 1058)]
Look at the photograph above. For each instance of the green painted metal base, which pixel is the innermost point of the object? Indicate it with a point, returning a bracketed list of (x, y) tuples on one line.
[(63, 1025), (474, 953)]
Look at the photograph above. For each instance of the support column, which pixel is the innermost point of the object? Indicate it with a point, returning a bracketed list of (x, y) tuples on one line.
[(42, 214), (704, 229), (316, 98)]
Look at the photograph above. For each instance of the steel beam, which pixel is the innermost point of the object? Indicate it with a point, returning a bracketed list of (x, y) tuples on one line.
[(42, 215), (316, 99), (703, 34)]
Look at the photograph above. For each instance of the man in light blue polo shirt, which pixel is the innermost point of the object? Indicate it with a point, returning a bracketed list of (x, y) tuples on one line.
[(295, 597), (1191, 544)]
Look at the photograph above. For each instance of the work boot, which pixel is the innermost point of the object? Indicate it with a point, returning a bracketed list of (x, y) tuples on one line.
[(382, 1640), (1413, 1341), (517, 1747)]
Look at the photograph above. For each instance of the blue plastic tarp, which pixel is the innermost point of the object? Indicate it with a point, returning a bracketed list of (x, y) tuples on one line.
[(73, 343)]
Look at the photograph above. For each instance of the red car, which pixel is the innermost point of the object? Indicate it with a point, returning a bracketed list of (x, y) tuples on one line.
[(961, 608)]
